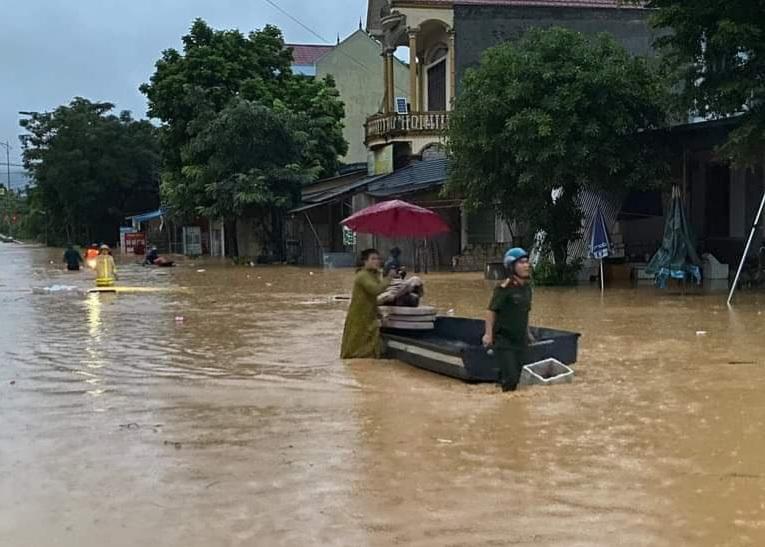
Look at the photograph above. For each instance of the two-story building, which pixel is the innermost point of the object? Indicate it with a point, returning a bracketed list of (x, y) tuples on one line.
[(442, 40), (356, 66), (446, 37)]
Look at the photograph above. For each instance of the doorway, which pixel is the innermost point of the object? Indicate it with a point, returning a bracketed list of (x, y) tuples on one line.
[(192, 240), (717, 210), (437, 87)]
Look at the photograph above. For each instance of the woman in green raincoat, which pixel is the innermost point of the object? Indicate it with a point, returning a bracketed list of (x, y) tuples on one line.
[(361, 336)]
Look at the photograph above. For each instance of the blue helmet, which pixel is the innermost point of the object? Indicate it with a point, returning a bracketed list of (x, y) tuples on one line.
[(516, 253)]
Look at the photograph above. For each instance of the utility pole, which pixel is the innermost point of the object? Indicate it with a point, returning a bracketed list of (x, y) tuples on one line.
[(8, 192), (7, 161)]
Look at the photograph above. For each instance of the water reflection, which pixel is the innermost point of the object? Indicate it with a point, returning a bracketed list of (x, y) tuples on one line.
[(94, 347), (239, 425)]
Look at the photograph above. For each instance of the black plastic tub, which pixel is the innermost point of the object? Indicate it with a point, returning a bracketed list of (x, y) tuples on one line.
[(454, 348)]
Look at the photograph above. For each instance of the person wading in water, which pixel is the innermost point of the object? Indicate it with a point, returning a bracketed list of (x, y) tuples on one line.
[(507, 320), (72, 258), (106, 271), (361, 336)]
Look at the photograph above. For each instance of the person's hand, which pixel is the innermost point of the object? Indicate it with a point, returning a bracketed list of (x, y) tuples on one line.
[(488, 340)]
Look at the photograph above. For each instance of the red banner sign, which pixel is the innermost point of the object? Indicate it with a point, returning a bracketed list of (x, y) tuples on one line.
[(135, 243)]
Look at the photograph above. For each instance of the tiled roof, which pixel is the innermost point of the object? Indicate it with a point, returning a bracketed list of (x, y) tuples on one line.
[(308, 54), (544, 3)]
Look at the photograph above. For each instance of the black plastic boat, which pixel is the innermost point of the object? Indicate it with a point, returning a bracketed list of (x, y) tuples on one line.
[(454, 348)]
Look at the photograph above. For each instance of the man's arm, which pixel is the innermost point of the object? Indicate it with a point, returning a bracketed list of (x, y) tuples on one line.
[(488, 336)]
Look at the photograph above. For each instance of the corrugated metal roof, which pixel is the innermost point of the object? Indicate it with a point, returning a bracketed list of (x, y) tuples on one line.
[(352, 185), (419, 175), (307, 54), (611, 4), (412, 178), (316, 190)]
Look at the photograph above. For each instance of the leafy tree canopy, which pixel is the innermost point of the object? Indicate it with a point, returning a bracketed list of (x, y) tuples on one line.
[(192, 91), (718, 47), (91, 168), (228, 164), (554, 111)]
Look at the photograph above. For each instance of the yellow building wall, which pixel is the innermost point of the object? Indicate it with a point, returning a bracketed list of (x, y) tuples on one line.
[(356, 65), (417, 16)]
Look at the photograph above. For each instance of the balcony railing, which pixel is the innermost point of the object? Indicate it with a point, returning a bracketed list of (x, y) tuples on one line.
[(383, 126)]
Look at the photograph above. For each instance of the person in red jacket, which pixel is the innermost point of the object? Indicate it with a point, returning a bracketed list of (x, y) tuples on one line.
[(90, 256)]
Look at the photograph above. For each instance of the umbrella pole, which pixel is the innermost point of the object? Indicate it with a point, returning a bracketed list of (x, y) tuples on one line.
[(426, 252), (602, 282), (746, 249), (415, 256)]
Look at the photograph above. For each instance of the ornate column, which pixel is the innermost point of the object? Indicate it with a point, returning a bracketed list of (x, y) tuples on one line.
[(389, 83), (385, 81), (413, 87), (452, 72)]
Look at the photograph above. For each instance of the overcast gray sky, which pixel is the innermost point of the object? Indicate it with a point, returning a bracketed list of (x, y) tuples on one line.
[(54, 50)]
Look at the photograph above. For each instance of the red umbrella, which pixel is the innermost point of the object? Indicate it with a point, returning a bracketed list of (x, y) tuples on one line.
[(396, 218)]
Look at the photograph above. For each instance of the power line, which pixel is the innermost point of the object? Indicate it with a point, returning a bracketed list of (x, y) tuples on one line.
[(320, 37), (298, 21)]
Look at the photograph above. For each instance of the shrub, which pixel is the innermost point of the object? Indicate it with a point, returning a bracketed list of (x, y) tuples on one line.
[(547, 273)]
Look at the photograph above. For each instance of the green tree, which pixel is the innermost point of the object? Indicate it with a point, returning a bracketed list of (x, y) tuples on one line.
[(14, 212), (228, 168), (319, 102), (189, 90), (718, 50), (90, 168), (554, 111)]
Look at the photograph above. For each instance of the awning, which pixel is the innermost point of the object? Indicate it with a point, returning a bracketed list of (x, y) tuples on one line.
[(149, 215)]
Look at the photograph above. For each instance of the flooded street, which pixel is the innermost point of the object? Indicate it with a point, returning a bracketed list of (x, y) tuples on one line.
[(217, 412)]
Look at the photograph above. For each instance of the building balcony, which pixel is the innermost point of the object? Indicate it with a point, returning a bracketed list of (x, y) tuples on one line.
[(384, 128)]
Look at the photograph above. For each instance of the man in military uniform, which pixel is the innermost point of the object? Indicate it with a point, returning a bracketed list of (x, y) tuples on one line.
[(507, 320)]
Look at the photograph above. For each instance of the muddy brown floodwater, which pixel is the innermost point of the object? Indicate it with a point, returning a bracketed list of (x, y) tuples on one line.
[(121, 425)]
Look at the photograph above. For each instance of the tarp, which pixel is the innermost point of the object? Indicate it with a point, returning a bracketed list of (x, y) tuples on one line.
[(677, 256)]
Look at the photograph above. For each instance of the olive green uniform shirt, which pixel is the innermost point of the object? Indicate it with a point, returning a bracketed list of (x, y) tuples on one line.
[(511, 306)]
